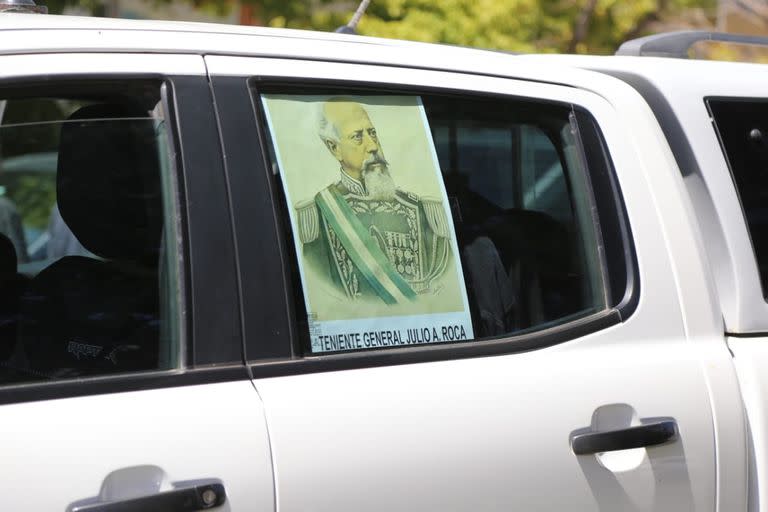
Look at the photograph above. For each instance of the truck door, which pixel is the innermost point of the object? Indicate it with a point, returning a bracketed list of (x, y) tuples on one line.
[(121, 376), (458, 293)]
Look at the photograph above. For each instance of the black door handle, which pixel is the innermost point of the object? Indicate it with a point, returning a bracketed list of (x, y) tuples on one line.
[(189, 499), (650, 434)]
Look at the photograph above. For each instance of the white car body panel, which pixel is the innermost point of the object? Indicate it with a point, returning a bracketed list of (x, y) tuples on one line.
[(60, 452), (98, 64), (750, 356), (26, 34), (684, 85), (490, 433)]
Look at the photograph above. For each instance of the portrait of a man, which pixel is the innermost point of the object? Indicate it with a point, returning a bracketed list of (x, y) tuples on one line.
[(374, 241), (362, 233)]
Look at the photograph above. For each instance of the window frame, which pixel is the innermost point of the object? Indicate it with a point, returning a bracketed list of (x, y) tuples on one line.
[(205, 354), (265, 277), (277, 353)]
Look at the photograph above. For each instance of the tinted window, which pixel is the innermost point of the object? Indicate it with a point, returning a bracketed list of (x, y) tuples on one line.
[(432, 219), (86, 257), (742, 127)]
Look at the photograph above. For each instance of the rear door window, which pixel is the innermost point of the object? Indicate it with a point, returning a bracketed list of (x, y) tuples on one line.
[(420, 219)]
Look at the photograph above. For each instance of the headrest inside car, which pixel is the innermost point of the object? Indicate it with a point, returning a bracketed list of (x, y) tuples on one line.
[(108, 181)]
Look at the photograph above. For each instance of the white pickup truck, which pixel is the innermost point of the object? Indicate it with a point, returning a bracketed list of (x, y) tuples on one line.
[(253, 269)]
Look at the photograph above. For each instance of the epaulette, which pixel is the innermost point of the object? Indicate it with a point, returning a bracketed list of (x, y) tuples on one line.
[(412, 196), (435, 213), (308, 220)]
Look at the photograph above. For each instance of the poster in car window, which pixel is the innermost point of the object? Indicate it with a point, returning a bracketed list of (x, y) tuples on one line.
[(372, 229)]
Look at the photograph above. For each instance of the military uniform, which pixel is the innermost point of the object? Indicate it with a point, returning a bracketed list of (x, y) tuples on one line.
[(364, 244)]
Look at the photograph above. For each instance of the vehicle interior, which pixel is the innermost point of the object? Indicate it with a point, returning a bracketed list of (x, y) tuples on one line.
[(81, 244), (509, 183)]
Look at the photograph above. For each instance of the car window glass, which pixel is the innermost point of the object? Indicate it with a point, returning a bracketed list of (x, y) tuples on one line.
[(418, 219), (742, 127), (88, 261)]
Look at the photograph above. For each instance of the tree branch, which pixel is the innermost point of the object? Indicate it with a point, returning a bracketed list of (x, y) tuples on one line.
[(645, 21), (581, 27)]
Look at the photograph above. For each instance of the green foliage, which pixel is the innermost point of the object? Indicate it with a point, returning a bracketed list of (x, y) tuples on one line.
[(34, 195), (584, 26), (29, 135)]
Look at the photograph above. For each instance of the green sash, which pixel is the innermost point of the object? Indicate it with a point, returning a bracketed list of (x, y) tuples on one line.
[(362, 249)]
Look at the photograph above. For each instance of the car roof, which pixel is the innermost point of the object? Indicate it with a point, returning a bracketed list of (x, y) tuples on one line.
[(651, 66), (30, 33), (37, 33), (15, 24)]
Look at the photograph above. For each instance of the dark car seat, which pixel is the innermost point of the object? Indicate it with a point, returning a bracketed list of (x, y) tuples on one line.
[(519, 272), (85, 315), (11, 287), (536, 251)]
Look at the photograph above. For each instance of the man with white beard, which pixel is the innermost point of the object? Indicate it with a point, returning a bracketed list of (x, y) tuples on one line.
[(369, 238)]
